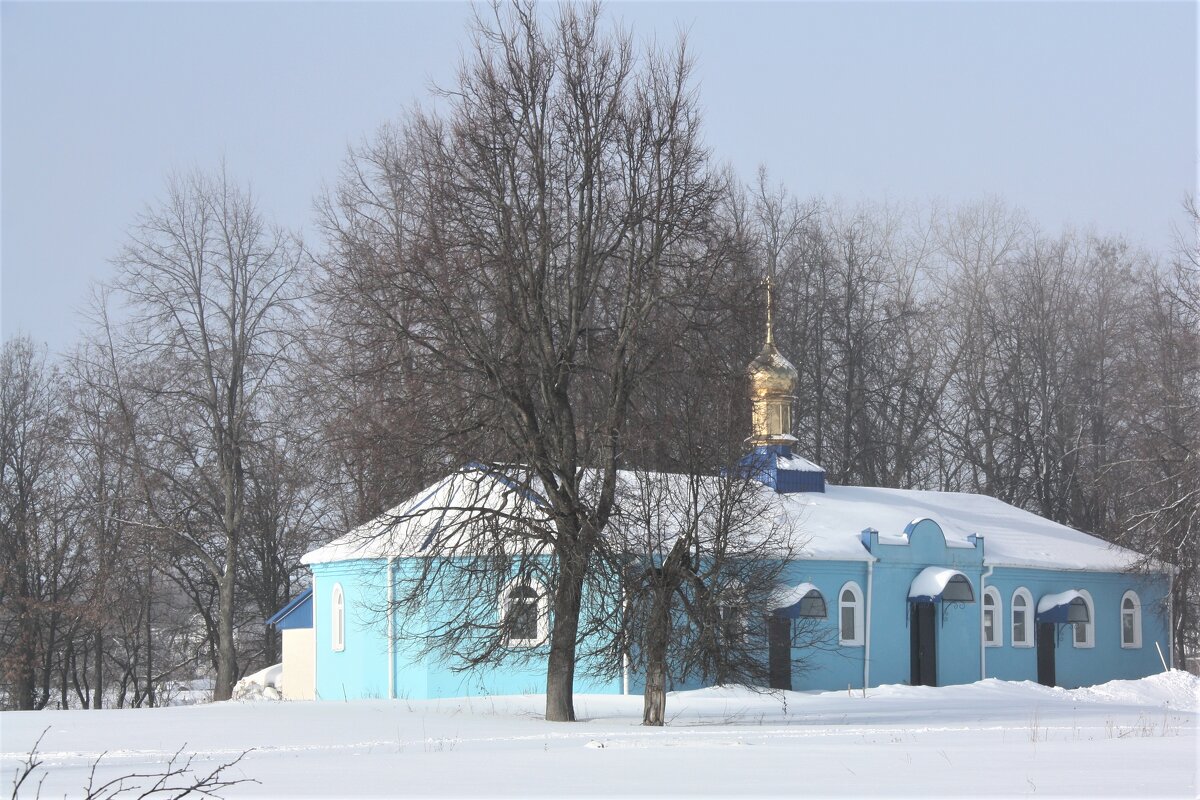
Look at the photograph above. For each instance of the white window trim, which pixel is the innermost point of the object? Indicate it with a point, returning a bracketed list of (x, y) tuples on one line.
[(1089, 629), (543, 612), (1137, 621), (337, 618), (857, 641), (1028, 641), (997, 609)]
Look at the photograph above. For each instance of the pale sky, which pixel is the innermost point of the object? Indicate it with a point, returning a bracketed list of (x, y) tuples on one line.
[(1082, 114)]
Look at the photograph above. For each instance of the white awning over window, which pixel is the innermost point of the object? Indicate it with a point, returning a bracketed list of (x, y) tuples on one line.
[(804, 600), (935, 584)]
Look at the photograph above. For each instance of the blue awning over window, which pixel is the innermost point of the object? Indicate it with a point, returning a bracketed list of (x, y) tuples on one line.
[(941, 583), (297, 613), (1069, 606)]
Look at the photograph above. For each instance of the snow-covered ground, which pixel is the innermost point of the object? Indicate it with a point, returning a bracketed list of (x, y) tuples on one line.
[(1125, 738)]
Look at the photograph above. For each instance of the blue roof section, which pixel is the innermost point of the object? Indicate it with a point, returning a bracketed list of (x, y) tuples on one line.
[(776, 466), (496, 473), (298, 613)]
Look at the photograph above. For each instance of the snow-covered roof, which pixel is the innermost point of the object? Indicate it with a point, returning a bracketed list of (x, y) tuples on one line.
[(833, 520), (795, 462), (828, 525), (440, 514)]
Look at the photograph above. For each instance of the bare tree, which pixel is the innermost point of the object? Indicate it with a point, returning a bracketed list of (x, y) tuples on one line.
[(210, 292), (702, 564), (180, 777), (1163, 521), (561, 189), (33, 548)]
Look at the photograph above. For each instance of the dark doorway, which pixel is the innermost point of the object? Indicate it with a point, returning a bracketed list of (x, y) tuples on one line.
[(779, 651), (1047, 638), (924, 645)]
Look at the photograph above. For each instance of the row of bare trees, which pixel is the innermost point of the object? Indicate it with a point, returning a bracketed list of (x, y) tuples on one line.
[(551, 270), (156, 497)]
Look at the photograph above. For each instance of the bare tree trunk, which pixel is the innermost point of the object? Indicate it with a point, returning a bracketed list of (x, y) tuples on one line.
[(149, 640), (26, 682), (226, 660), (98, 691), (654, 698), (564, 635)]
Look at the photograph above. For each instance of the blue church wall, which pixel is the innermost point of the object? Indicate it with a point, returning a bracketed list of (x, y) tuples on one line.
[(523, 673), (362, 670), (961, 657), (957, 629), (827, 663), (1078, 665), (359, 670)]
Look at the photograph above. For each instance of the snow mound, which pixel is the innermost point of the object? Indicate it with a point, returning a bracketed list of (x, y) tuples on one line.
[(1175, 688), (266, 684), (729, 691)]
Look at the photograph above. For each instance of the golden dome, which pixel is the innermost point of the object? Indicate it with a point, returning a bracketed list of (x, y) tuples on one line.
[(773, 382), (771, 374)]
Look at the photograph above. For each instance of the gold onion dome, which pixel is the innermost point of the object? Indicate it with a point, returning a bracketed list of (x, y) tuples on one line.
[(773, 382), (772, 374)]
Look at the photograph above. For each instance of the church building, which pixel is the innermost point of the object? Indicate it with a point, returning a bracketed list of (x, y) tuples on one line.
[(918, 587)]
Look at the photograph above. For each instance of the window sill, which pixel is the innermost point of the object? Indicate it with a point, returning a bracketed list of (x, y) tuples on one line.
[(1084, 645), (525, 644), (993, 644), (849, 644), (1134, 646), (1024, 645)]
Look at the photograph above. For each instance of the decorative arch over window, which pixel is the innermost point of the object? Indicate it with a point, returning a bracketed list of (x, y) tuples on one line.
[(1131, 620), (850, 615), (1085, 632), (337, 618), (1022, 622), (993, 613), (524, 614)]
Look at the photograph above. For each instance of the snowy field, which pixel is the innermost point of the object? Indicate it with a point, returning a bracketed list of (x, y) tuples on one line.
[(1125, 738)]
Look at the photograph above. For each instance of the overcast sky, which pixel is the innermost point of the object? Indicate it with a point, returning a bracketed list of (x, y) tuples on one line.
[(1083, 114)]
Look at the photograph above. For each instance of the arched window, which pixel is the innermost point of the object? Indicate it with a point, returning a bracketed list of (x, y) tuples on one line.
[(523, 611), (731, 612), (1085, 632), (1022, 623), (337, 618), (850, 615), (1131, 620), (993, 613)]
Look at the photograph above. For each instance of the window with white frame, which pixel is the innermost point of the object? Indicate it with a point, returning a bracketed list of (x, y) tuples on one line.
[(337, 618), (1131, 620), (1022, 624), (992, 614), (850, 615), (523, 611), (1085, 632)]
